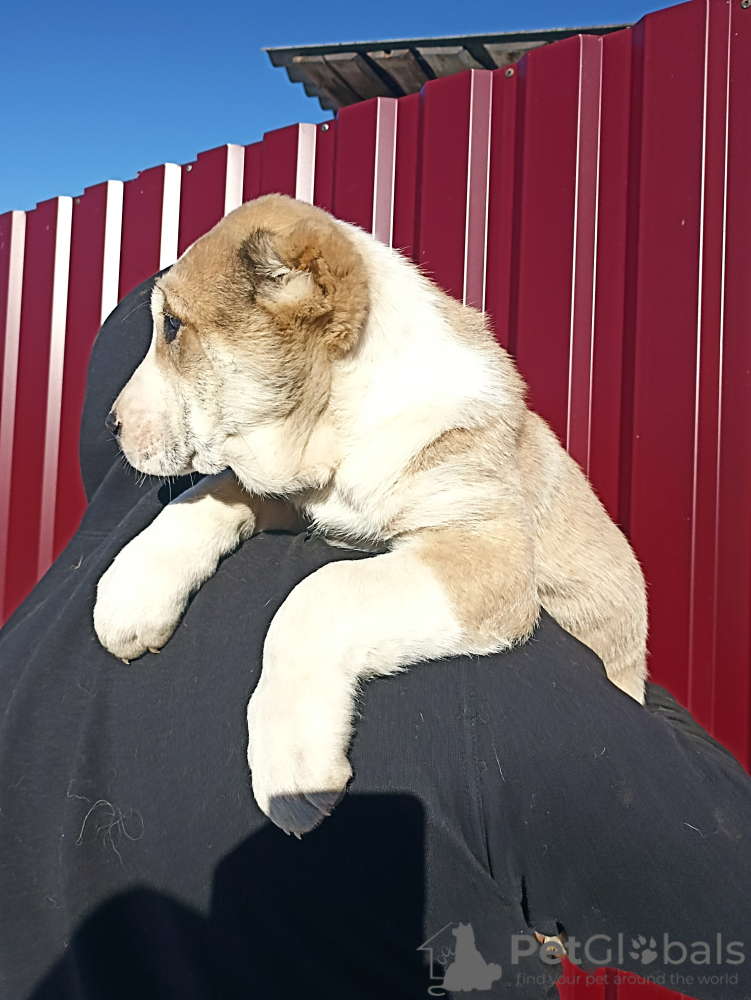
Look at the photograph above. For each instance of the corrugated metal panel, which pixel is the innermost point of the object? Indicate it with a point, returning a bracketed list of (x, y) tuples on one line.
[(405, 173), (41, 274), (149, 224), (209, 188), (731, 581), (12, 249), (323, 188), (594, 198), (288, 161), (364, 172), (92, 294)]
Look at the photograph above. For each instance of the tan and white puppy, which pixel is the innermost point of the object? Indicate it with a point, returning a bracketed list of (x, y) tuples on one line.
[(295, 356)]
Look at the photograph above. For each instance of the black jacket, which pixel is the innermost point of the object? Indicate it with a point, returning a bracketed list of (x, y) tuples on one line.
[(515, 792)]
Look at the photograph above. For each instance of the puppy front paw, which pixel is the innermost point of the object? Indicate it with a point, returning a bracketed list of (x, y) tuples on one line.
[(297, 757), (140, 600)]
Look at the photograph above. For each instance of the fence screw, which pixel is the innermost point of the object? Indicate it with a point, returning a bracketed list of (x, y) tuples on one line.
[(189, 168), (325, 128), (745, 3), (510, 70)]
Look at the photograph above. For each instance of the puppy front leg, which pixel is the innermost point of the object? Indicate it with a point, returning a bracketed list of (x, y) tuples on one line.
[(350, 621), (142, 596)]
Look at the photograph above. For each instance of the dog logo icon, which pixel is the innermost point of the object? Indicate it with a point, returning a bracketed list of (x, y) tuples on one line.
[(464, 968), (646, 955)]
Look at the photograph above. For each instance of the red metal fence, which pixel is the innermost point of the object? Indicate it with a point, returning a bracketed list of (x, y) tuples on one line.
[(595, 200)]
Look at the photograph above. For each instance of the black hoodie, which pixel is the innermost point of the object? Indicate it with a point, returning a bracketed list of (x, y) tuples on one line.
[(511, 793)]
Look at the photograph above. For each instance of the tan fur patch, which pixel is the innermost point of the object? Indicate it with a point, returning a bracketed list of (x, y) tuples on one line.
[(489, 577)]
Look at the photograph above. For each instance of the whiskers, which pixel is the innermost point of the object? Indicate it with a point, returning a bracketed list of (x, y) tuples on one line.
[(141, 477)]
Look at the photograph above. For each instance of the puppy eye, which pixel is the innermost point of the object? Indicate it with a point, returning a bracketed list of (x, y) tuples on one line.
[(171, 326)]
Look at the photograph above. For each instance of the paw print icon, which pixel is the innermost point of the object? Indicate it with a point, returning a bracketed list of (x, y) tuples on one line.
[(641, 951)]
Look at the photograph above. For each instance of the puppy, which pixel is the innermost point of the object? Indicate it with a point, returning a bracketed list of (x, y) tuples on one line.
[(313, 374)]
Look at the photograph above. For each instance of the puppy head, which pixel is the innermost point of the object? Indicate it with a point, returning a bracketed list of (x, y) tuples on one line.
[(247, 327)]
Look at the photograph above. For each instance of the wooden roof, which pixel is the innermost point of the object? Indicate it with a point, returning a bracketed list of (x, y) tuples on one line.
[(339, 75)]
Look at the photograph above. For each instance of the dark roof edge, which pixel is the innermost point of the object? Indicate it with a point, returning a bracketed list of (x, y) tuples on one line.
[(281, 55)]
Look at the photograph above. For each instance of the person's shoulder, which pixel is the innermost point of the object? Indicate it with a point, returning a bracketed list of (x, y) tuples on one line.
[(660, 703)]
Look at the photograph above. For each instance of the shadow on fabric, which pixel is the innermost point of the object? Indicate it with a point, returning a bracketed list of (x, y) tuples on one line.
[(338, 917)]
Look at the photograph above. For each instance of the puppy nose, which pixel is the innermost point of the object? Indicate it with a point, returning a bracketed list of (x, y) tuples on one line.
[(112, 423)]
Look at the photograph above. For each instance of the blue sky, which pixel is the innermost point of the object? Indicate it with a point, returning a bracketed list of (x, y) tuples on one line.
[(93, 90)]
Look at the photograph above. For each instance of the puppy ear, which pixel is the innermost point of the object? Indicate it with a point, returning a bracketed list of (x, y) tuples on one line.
[(260, 261), (312, 279), (330, 257)]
